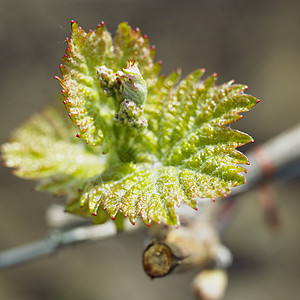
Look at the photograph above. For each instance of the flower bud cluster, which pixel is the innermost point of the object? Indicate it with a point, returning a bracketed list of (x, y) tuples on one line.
[(107, 80), (130, 91), (131, 115)]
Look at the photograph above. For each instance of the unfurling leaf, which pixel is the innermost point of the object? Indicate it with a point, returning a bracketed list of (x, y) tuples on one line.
[(90, 107), (154, 141), (132, 84)]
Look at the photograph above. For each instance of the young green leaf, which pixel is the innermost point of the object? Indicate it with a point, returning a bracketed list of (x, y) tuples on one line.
[(194, 153), (90, 108), (166, 140), (131, 45), (45, 149), (85, 100)]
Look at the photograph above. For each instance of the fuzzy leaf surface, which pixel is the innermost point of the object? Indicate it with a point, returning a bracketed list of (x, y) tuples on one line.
[(193, 151), (89, 107), (170, 144), (84, 99), (46, 150)]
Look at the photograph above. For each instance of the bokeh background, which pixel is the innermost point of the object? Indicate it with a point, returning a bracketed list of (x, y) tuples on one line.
[(256, 42)]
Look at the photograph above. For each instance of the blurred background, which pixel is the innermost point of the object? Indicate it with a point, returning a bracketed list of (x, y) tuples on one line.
[(255, 42)]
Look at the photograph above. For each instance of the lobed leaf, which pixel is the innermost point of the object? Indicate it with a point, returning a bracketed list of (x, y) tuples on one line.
[(192, 145), (131, 45), (154, 194), (90, 108), (184, 151), (45, 149)]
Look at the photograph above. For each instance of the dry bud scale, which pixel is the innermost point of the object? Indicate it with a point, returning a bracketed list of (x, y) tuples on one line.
[(146, 142)]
